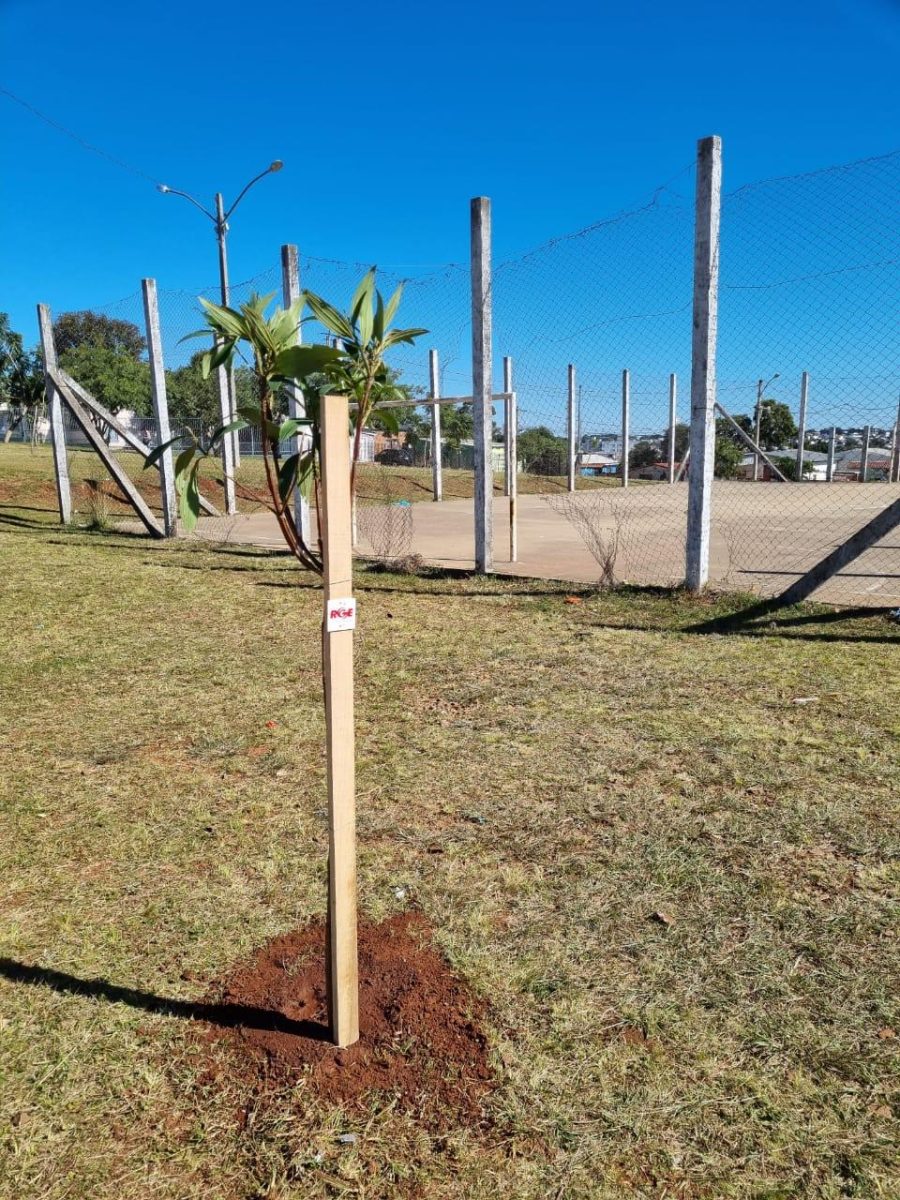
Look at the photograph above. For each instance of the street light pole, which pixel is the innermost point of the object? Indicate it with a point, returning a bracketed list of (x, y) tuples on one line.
[(220, 221)]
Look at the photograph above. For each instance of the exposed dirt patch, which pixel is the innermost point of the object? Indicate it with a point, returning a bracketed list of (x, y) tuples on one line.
[(421, 1042)]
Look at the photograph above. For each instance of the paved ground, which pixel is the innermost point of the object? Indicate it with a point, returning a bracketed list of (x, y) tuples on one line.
[(764, 536)]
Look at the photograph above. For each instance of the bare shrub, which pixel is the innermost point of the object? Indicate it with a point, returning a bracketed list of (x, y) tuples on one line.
[(601, 522)]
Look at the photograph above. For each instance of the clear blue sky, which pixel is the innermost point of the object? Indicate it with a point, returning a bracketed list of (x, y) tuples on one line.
[(390, 117)]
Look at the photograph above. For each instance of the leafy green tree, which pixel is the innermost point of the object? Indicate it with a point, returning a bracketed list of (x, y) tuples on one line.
[(457, 424), (194, 397), (777, 427), (74, 329), (643, 454), (787, 465), (115, 378), (542, 452), (728, 456), (21, 377)]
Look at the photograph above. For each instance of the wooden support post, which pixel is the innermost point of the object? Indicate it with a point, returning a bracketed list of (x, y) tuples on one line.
[(160, 406), (570, 429), (703, 360), (801, 426), (673, 417), (57, 425), (829, 466), (343, 980), (626, 427), (290, 289), (864, 455), (511, 446), (482, 381), (437, 465)]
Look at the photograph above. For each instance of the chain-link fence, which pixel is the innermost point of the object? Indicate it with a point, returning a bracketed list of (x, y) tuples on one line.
[(597, 325)]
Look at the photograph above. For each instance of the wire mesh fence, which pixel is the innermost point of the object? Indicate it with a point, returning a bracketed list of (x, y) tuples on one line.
[(597, 325)]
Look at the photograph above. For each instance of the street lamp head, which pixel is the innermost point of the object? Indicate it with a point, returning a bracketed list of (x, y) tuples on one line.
[(276, 165), (163, 187)]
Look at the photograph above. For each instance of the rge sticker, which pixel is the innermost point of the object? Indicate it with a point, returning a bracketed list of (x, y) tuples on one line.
[(340, 614)]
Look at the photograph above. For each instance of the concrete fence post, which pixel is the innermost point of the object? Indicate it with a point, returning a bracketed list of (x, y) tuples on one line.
[(512, 456), (570, 430), (437, 466), (864, 456), (801, 426), (703, 360), (673, 418), (482, 381), (160, 405), (624, 465), (290, 291), (57, 425), (895, 472), (832, 445)]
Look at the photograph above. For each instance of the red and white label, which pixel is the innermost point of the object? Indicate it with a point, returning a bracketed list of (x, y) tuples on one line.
[(340, 613)]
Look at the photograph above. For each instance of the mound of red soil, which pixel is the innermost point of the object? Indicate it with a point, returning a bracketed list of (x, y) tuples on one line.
[(421, 1044)]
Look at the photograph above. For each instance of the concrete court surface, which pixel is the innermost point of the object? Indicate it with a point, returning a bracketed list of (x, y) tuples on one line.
[(764, 536)]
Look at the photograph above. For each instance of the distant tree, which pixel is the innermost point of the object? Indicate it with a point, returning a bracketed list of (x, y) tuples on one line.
[(643, 454), (457, 425), (728, 457), (787, 465), (777, 426), (819, 445), (74, 329), (21, 377), (113, 377), (542, 452)]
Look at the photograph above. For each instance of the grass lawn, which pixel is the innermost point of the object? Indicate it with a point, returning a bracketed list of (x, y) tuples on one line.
[(674, 883), (26, 480)]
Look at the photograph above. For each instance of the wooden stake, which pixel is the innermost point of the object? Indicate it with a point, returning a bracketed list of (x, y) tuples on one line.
[(343, 979), (57, 427)]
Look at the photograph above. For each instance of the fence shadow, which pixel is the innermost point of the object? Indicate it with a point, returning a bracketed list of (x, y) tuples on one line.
[(227, 1016)]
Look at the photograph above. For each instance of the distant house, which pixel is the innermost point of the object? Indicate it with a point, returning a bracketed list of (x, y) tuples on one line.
[(815, 464), (593, 463)]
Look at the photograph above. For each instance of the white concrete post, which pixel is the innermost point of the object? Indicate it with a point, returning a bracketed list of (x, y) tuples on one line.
[(512, 454), (227, 442), (160, 406), (703, 360), (482, 381), (437, 465), (829, 466), (507, 388), (570, 430), (626, 427), (673, 417), (864, 457), (801, 428), (290, 291), (895, 473), (57, 425)]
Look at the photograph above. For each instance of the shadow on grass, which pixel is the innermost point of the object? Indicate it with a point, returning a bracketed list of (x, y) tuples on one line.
[(228, 1016)]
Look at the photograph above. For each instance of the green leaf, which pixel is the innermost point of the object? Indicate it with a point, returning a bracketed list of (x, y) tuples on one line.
[(365, 288), (287, 476), (224, 320), (392, 305), (190, 499), (389, 418), (326, 314), (289, 428), (306, 475), (298, 362)]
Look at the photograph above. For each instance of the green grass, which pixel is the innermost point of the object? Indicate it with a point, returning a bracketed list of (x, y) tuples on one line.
[(580, 768)]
